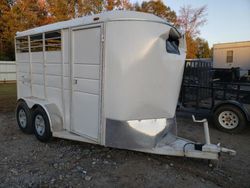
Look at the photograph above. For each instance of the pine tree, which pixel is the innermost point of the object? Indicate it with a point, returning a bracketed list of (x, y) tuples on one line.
[(203, 50)]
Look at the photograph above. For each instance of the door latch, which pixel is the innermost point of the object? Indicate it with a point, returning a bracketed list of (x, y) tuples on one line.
[(75, 81)]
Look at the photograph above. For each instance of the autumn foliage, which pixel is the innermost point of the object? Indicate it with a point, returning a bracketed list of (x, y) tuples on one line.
[(19, 15)]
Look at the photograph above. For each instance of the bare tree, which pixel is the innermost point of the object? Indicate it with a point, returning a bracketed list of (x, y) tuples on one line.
[(191, 19)]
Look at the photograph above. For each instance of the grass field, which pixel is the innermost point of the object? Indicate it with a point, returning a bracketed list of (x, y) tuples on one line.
[(8, 96)]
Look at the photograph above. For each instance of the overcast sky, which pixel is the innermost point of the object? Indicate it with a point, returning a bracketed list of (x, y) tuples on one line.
[(228, 20)]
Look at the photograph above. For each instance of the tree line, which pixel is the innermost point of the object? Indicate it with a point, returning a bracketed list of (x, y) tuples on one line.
[(20, 15)]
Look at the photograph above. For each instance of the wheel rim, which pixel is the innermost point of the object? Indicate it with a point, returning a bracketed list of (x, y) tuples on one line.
[(22, 118), (39, 125), (228, 119)]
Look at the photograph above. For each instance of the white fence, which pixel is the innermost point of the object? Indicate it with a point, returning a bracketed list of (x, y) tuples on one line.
[(7, 71)]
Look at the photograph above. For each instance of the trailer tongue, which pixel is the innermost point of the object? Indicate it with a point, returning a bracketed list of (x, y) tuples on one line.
[(159, 136)]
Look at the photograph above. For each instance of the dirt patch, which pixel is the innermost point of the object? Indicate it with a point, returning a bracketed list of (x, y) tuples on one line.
[(26, 162)]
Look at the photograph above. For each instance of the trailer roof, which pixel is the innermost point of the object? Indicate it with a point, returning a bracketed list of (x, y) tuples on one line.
[(96, 18)]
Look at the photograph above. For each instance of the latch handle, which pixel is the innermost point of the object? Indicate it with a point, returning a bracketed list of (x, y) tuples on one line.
[(75, 81)]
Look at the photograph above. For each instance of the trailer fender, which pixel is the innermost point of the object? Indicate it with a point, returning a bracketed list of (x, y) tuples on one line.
[(54, 115), (234, 103)]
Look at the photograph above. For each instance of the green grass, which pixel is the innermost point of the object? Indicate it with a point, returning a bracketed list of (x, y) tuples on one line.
[(7, 89), (8, 97)]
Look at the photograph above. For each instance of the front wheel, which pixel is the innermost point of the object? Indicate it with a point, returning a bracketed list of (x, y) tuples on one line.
[(229, 118), (24, 117), (41, 125)]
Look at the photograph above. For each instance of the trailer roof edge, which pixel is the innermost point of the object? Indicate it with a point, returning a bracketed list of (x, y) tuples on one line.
[(116, 15)]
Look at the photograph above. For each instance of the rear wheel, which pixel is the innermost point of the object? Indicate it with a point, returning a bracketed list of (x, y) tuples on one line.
[(41, 125), (24, 117), (229, 118)]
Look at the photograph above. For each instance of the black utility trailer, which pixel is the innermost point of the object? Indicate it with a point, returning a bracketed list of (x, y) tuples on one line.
[(226, 99)]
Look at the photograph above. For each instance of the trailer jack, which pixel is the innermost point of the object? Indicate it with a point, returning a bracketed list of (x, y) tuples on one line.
[(173, 145), (208, 147)]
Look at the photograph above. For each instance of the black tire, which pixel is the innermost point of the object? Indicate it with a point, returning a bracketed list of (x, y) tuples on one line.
[(234, 123), (23, 111), (40, 117)]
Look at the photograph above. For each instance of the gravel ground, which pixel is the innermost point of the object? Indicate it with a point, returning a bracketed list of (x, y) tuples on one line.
[(26, 162)]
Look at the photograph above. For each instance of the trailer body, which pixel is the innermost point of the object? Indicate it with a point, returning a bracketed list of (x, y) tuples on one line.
[(111, 79)]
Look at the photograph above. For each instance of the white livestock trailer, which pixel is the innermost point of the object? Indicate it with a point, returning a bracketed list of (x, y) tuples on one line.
[(111, 79)]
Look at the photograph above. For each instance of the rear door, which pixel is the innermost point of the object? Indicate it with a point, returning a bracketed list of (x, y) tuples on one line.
[(86, 63)]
